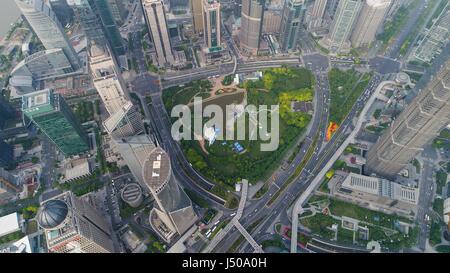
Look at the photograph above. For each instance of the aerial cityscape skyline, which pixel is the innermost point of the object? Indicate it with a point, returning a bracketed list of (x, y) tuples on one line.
[(105, 149)]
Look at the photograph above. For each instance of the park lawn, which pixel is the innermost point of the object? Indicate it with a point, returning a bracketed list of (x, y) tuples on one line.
[(441, 181), (443, 248), (196, 198), (351, 149), (319, 224), (341, 208), (345, 236), (346, 87), (127, 210), (435, 233), (183, 95), (84, 111), (394, 241), (438, 206)]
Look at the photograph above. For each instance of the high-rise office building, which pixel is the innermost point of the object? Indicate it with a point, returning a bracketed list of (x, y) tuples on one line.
[(62, 11), (293, 14), (272, 21), (6, 111), (47, 27), (134, 150), (417, 125), (155, 15), (124, 118), (127, 121), (211, 23), (316, 14), (40, 66), (252, 15), (73, 225), (118, 10), (54, 117), (112, 32), (6, 154), (174, 213), (337, 40), (369, 21), (107, 78), (150, 165), (197, 15), (85, 13)]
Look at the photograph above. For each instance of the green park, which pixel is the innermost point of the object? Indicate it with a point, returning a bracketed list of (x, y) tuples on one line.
[(221, 162)]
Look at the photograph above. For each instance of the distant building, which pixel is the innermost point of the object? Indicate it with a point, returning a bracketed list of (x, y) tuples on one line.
[(272, 21), (47, 27), (84, 11), (211, 23), (337, 40), (316, 14), (252, 15), (72, 225), (155, 15), (369, 21), (54, 117), (293, 14), (197, 14)]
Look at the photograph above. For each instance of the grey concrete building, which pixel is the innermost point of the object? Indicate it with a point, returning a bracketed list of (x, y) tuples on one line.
[(174, 213)]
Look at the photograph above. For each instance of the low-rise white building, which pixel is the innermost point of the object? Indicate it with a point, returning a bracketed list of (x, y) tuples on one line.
[(381, 187), (10, 223)]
